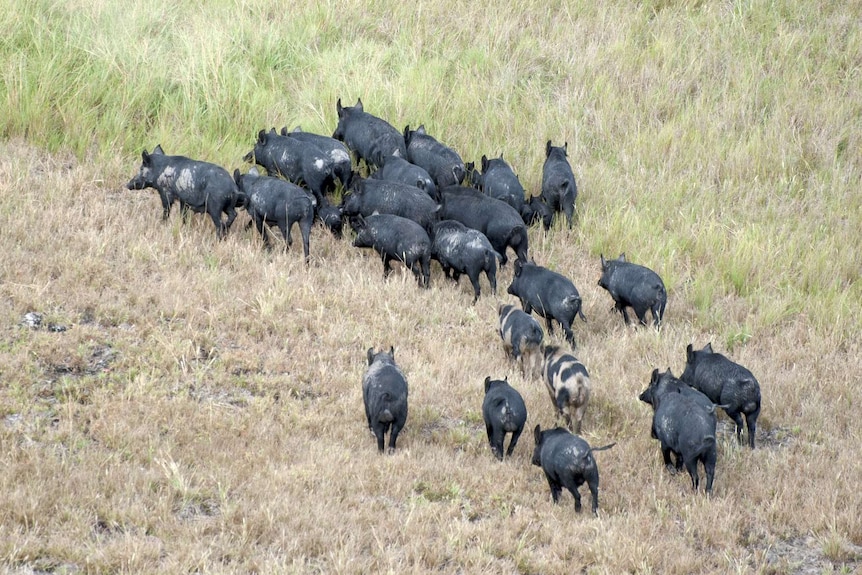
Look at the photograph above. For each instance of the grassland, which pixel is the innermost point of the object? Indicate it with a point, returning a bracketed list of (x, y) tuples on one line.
[(202, 412)]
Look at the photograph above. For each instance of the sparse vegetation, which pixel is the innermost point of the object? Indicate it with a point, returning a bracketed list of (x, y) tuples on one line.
[(202, 412)]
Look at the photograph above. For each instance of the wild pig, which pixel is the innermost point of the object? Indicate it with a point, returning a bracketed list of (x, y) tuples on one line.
[(369, 137), (537, 210), (396, 238), (567, 461), (368, 196), (635, 286), (461, 250), (499, 221), (295, 161), (331, 216), (522, 337), (273, 201), (727, 383), (442, 162), (198, 186), (384, 393), (685, 428), (504, 412), (499, 181), (552, 295), (401, 171), (342, 167), (559, 189), (568, 384)]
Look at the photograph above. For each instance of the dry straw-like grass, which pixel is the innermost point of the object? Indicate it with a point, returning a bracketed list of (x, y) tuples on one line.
[(202, 411)]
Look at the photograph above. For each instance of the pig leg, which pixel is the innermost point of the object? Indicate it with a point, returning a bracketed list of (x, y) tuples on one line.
[(231, 216), (594, 493), (396, 429), (665, 453), (621, 307), (425, 264), (474, 279), (387, 267), (572, 486), (737, 418), (379, 429), (556, 488), (640, 311), (751, 423), (496, 439), (492, 278), (691, 467), (514, 441), (305, 232), (166, 205), (709, 467)]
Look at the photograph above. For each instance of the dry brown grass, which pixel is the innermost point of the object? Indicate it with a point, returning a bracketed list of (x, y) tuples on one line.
[(202, 412)]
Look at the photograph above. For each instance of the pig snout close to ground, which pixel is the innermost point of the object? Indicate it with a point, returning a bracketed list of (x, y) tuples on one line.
[(461, 250), (726, 383), (299, 162), (567, 461), (384, 393), (396, 238), (537, 210), (500, 222), (442, 163), (684, 427), (568, 384), (522, 337), (372, 139), (273, 201), (552, 295), (635, 286), (559, 189), (499, 181), (198, 186), (504, 412)]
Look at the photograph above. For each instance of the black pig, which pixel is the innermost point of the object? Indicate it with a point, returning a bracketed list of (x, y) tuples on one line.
[(504, 412), (727, 383), (499, 181), (273, 201), (537, 210), (396, 238), (685, 427), (369, 137), (401, 171), (442, 162), (552, 295), (198, 186), (331, 216), (370, 195), (522, 337), (559, 189), (384, 393), (342, 168), (296, 161), (461, 250), (567, 461), (635, 286), (499, 221)]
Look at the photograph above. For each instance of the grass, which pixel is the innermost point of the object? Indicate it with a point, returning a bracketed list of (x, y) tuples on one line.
[(202, 412)]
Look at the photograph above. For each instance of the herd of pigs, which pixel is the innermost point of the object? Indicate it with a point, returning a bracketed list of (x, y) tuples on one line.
[(420, 202)]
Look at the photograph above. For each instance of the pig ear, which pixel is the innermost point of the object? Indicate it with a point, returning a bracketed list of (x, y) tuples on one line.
[(359, 105), (484, 162), (566, 148), (158, 150), (272, 131), (421, 129), (537, 433), (406, 132), (708, 348), (689, 353), (236, 176), (284, 131), (261, 136), (145, 158), (518, 268), (370, 355), (654, 378), (548, 149), (604, 263), (487, 383), (253, 171), (338, 108), (622, 257), (392, 351), (670, 373)]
